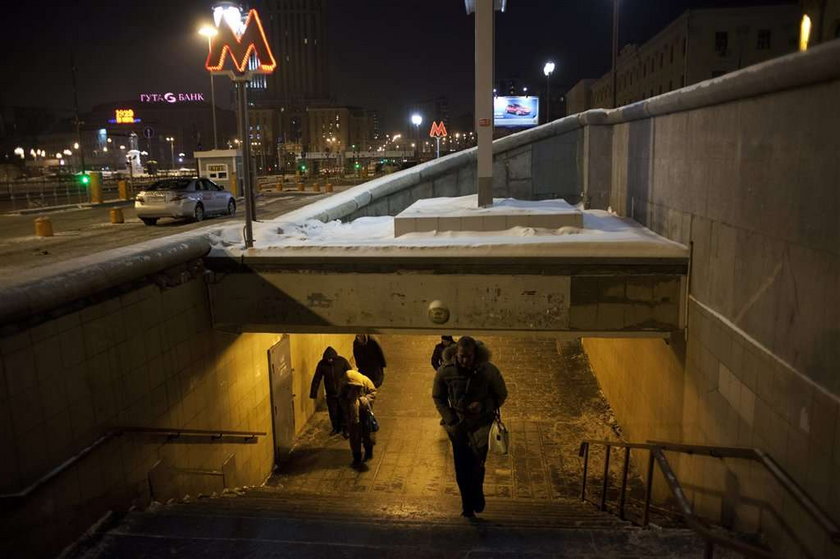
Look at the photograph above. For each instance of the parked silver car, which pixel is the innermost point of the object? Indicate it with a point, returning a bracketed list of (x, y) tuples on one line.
[(183, 197)]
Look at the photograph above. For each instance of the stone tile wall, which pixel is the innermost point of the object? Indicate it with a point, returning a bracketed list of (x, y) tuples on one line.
[(751, 185), (147, 358)]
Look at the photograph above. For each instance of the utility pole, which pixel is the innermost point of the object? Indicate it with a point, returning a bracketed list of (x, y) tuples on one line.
[(484, 33), (615, 54), (76, 109)]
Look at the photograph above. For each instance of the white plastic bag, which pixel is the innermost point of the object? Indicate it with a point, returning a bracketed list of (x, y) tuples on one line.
[(499, 439)]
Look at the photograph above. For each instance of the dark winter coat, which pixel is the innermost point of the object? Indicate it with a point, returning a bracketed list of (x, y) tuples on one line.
[(370, 360), (456, 388), (331, 368)]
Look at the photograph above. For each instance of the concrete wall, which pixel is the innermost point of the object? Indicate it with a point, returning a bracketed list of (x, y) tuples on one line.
[(747, 176), (121, 353), (147, 358)]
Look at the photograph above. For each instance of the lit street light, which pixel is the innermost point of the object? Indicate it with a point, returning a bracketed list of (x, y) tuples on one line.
[(171, 141), (417, 120), (210, 32), (548, 69)]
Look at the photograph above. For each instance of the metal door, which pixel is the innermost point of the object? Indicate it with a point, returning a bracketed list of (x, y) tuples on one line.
[(282, 398)]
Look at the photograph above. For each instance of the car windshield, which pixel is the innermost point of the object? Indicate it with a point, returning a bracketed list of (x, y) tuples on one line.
[(170, 184)]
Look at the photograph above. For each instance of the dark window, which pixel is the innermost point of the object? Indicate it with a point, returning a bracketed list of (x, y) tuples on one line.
[(661, 59), (684, 46), (763, 39), (721, 42), (672, 54), (170, 184), (682, 80), (670, 85)]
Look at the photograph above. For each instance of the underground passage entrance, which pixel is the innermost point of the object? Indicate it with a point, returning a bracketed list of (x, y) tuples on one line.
[(554, 402)]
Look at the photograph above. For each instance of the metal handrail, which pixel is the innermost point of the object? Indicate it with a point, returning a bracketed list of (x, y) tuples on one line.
[(216, 435), (656, 454)]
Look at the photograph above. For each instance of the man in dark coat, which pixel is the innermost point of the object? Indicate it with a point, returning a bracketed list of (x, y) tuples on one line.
[(467, 393), (370, 361), (331, 368), (437, 354)]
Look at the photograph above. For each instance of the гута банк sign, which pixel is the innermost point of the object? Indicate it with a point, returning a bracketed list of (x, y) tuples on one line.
[(170, 97)]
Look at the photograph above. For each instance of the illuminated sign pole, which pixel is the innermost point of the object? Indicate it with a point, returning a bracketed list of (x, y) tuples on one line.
[(241, 41), (437, 132), (484, 16)]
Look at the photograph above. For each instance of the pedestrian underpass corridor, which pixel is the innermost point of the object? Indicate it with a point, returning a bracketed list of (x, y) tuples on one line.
[(553, 403), (406, 504)]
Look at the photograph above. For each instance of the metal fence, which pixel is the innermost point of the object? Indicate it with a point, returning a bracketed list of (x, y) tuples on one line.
[(63, 191)]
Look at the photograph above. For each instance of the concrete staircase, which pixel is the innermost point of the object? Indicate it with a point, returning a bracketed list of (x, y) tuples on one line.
[(264, 522)]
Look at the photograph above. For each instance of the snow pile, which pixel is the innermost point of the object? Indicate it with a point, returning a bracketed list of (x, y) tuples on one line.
[(603, 234), (468, 206)]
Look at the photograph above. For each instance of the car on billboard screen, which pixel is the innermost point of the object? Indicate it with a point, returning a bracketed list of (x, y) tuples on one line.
[(516, 112), (517, 109)]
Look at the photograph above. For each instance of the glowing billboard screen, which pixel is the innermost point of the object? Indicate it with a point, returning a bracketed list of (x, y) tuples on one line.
[(516, 111)]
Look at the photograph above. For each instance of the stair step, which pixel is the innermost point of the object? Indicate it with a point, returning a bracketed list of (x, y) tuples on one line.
[(189, 535)]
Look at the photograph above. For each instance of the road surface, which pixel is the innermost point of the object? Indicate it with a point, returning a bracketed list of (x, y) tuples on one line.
[(85, 231)]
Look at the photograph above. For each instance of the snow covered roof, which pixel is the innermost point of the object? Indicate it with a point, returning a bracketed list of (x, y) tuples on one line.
[(603, 235)]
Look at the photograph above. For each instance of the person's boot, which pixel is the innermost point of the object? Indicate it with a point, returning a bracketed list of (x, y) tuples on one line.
[(368, 453), (479, 503), (357, 459)]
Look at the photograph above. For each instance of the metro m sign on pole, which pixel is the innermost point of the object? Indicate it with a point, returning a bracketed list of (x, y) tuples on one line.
[(240, 41), (438, 130)]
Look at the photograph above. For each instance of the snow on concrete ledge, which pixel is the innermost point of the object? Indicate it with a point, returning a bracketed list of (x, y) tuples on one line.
[(603, 235)]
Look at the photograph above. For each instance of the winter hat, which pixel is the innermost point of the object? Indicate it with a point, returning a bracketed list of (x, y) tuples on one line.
[(447, 338)]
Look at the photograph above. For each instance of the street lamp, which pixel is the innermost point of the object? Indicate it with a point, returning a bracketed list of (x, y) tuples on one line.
[(210, 32), (171, 141), (417, 120), (548, 69)]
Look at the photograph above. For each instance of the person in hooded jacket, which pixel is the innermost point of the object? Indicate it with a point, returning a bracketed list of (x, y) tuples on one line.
[(370, 361), (357, 393), (437, 354), (331, 369), (467, 393)]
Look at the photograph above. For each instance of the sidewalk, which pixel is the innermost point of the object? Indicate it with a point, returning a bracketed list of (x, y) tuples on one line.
[(554, 403)]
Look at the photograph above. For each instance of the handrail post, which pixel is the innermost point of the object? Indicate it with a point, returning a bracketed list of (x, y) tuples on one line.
[(606, 477), (623, 496), (584, 451), (648, 488)]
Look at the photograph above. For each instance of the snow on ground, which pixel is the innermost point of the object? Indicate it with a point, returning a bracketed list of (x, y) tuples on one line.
[(603, 234)]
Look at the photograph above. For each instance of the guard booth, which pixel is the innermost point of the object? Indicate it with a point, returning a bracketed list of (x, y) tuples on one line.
[(222, 166)]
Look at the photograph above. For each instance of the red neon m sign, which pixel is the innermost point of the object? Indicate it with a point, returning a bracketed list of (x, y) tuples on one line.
[(251, 41), (438, 130)]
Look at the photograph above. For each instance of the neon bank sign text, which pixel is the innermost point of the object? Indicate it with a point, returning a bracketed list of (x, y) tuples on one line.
[(170, 97)]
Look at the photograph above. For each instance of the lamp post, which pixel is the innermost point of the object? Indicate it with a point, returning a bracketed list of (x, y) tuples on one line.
[(210, 32), (417, 120), (171, 141), (548, 69)]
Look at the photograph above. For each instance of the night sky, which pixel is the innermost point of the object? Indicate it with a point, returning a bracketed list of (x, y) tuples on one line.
[(384, 54)]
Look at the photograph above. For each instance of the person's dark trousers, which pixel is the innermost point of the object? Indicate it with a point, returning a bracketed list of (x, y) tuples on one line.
[(469, 472), (360, 436), (334, 409)]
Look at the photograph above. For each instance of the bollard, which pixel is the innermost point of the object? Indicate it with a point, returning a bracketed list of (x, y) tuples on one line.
[(122, 188), (95, 187), (316, 187), (301, 187), (116, 215), (234, 184), (43, 227), (329, 187)]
